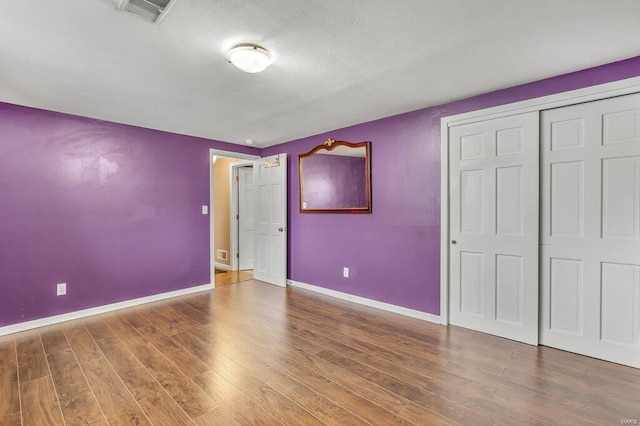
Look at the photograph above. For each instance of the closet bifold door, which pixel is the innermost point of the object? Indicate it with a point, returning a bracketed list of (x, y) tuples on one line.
[(494, 224), (590, 254)]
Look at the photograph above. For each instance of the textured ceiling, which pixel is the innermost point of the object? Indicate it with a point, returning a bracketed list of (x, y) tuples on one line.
[(337, 62)]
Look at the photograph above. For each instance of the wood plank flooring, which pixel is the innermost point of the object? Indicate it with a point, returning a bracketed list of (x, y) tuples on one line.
[(256, 354), (232, 277)]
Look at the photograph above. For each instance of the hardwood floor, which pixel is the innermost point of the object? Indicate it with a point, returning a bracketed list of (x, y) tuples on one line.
[(253, 353), (233, 277)]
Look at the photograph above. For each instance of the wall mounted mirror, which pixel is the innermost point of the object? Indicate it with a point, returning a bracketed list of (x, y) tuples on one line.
[(336, 177)]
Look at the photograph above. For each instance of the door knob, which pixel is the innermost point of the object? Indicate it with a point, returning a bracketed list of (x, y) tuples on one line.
[(281, 229), (454, 242)]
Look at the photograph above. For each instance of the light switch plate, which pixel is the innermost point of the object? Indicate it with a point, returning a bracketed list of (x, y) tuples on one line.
[(345, 272), (205, 209), (61, 289)]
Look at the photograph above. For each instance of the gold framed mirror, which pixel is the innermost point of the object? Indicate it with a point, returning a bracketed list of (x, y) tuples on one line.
[(336, 177)]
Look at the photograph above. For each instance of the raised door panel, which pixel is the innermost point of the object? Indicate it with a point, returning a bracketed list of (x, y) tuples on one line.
[(509, 288), (471, 189), (621, 198), (471, 147), (567, 134), (471, 283), (620, 299), (509, 142), (509, 197), (566, 297), (621, 127), (567, 199)]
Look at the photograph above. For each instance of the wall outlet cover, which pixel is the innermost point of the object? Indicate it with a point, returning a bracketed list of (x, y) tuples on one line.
[(345, 272)]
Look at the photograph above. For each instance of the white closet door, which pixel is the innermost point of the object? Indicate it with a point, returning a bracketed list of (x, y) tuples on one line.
[(494, 194), (246, 211), (591, 229)]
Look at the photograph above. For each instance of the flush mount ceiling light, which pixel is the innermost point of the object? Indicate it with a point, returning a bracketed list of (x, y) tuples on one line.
[(249, 57)]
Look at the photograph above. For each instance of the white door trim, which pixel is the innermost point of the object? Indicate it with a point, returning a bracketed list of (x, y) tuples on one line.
[(601, 91), (234, 243), (218, 153)]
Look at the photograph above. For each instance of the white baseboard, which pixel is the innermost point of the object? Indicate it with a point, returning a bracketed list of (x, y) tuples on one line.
[(28, 325), (222, 266), (368, 302)]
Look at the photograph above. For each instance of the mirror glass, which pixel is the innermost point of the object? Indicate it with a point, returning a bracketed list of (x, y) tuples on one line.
[(336, 177)]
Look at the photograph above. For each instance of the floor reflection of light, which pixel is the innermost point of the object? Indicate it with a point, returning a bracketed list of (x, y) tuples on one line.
[(237, 335)]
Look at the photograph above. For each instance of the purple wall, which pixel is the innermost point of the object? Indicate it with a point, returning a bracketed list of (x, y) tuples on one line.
[(334, 181), (394, 253), (112, 210)]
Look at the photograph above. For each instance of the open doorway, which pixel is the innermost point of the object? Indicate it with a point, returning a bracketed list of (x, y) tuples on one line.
[(227, 248)]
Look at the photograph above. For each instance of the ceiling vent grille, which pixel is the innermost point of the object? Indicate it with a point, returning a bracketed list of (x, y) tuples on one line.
[(149, 10)]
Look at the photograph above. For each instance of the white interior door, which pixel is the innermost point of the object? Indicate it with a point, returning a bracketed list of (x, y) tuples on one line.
[(493, 185), (591, 229), (270, 256), (246, 212)]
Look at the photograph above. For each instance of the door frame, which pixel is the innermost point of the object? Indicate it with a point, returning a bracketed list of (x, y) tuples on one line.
[(235, 196), (218, 153), (591, 93)]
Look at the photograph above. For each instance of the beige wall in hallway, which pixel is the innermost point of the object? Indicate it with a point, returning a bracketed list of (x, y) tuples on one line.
[(222, 207)]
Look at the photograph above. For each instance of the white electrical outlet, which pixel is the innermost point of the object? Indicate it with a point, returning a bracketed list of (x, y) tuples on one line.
[(205, 209), (61, 289), (345, 272)]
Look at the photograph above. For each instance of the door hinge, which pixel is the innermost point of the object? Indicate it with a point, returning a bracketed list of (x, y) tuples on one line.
[(237, 217), (238, 255), (237, 178)]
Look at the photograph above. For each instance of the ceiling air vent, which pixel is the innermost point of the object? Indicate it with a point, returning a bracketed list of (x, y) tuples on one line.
[(150, 10)]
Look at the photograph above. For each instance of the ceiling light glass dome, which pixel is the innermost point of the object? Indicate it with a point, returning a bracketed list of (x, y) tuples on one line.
[(250, 58)]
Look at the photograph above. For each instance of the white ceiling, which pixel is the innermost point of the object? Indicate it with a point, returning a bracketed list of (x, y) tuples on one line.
[(337, 62)]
